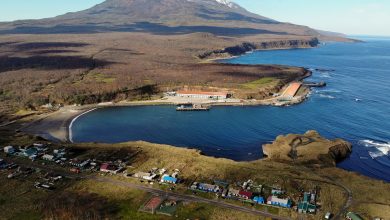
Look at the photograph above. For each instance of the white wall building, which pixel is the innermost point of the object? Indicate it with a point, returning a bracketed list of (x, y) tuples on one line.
[(202, 95)]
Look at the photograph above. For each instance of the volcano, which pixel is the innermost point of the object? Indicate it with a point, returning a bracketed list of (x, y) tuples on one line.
[(219, 17)]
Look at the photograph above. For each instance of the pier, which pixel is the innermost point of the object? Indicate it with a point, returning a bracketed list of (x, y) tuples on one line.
[(192, 107), (314, 84)]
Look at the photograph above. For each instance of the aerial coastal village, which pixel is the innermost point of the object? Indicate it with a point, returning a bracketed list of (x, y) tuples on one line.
[(49, 167), (193, 109)]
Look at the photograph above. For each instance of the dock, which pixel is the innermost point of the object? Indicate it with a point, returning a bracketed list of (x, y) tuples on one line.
[(314, 84), (192, 107)]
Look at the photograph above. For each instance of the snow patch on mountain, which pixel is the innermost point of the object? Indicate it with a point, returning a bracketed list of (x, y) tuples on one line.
[(227, 3)]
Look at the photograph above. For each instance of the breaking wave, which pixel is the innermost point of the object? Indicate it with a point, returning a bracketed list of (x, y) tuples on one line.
[(376, 149), (327, 96)]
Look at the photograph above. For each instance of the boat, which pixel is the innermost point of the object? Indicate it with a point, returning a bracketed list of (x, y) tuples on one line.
[(192, 107)]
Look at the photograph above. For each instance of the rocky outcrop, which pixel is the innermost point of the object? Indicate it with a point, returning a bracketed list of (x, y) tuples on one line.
[(247, 47), (308, 149)]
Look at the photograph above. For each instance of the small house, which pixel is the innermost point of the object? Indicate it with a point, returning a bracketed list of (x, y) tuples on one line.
[(80, 164), (305, 206), (208, 187), (110, 168), (145, 176), (258, 200), (48, 157), (233, 192), (276, 192), (245, 194), (273, 200), (30, 152), (353, 216), (168, 179), (9, 150)]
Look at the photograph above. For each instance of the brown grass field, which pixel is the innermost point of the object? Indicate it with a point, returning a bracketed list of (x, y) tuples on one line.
[(93, 68)]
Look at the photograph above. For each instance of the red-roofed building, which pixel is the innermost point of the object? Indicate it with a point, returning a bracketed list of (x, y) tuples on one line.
[(245, 194), (109, 168)]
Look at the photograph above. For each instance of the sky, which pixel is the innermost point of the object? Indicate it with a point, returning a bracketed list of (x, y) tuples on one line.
[(353, 17)]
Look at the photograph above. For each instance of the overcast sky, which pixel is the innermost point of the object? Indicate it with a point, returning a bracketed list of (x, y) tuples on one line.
[(369, 17)]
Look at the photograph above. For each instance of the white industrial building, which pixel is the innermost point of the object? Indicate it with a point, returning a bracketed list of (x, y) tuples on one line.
[(202, 95)]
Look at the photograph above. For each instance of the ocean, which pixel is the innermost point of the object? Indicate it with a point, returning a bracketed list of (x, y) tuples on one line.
[(354, 106)]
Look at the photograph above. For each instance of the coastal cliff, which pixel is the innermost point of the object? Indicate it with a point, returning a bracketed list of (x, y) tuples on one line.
[(247, 47), (308, 149)]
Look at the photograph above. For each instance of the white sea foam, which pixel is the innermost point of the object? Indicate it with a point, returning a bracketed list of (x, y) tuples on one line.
[(377, 149), (324, 75), (327, 96), (74, 119), (328, 91)]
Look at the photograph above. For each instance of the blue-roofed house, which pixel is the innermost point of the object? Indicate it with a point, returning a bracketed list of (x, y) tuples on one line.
[(30, 152), (305, 206), (258, 200), (168, 179)]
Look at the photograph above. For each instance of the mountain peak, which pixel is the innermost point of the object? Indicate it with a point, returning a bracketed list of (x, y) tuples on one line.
[(221, 17)]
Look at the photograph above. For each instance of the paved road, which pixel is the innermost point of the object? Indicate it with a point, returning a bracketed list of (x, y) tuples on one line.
[(186, 197)]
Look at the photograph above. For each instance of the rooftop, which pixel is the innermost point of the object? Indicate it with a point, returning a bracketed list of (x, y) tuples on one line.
[(185, 92)]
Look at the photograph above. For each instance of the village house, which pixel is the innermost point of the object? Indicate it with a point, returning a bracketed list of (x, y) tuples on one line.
[(9, 150), (305, 206), (258, 200), (352, 216), (110, 168), (145, 176), (208, 187), (273, 200), (79, 163), (276, 192), (233, 192), (245, 194), (48, 157), (30, 152), (168, 179)]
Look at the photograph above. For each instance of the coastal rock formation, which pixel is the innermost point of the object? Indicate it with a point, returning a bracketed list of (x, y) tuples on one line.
[(247, 47), (309, 149)]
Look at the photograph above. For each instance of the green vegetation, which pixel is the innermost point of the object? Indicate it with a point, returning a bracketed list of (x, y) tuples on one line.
[(100, 77), (260, 83)]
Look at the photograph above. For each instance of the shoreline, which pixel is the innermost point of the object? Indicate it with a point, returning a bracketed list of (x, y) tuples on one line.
[(69, 136), (216, 59), (67, 115)]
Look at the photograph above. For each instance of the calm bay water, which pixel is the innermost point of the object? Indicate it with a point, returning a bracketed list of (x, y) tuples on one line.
[(354, 106)]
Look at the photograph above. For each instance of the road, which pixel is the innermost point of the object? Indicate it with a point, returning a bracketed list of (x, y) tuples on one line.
[(184, 197)]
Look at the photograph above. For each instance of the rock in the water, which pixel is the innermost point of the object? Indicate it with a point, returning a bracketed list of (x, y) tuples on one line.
[(309, 149)]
